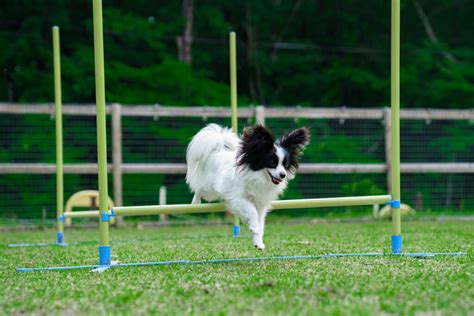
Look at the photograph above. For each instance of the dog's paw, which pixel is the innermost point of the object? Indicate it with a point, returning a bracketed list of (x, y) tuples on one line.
[(257, 241)]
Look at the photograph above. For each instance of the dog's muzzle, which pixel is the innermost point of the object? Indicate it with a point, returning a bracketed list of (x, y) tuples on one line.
[(275, 180)]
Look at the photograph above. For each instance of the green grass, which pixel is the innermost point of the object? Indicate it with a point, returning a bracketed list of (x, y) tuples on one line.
[(384, 285)]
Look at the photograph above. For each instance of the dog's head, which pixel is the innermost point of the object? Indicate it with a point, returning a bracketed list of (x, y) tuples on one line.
[(280, 158)]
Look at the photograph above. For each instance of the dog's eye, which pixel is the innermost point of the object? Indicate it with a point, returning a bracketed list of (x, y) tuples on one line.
[(285, 162), (273, 162)]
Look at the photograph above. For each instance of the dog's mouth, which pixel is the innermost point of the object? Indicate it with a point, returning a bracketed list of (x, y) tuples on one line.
[(275, 181)]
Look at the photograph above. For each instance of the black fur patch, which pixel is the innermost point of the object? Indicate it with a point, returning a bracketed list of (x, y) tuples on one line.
[(257, 150), (294, 142)]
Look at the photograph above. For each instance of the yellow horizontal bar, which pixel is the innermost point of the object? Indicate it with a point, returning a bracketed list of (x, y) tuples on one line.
[(219, 207), (170, 209), (81, 214), (331, 202)]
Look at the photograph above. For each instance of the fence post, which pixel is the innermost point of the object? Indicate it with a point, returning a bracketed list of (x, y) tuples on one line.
[(387, 117), (260, 115), (117, 156), (163, 217)]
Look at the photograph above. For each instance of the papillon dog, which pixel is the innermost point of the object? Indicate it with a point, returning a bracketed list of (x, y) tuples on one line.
[(245, 173)]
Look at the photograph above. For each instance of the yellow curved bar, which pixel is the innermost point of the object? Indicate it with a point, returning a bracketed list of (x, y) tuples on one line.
[(83, 199)]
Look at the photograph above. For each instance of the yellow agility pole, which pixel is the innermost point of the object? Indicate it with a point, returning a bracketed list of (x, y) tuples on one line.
[(59, 138), (220, 207), (104, 248), (395, 108), (233, 81), (233, 104)]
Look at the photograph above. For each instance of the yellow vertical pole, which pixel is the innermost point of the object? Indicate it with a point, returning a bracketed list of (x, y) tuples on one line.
[(395, 108), (104, 248), (233, 81), (233, 104), (59, 138)]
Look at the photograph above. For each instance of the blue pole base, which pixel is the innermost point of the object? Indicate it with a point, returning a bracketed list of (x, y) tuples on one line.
[(60, 238), (236, 232), (396, 244), (104, 255)]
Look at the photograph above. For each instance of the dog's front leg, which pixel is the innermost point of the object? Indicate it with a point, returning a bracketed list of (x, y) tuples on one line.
[(196, 199), (262, 214), (248, 213)]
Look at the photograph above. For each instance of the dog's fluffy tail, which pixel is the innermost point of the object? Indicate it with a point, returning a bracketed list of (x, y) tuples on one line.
[(209, 140)]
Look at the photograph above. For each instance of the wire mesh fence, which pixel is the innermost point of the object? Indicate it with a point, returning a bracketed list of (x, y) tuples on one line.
[(437, 141), (26, 138), (338, 141), (163, 140), (29, 138)]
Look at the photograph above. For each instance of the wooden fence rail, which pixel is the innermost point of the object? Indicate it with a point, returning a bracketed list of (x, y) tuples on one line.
[(284, 112), (180, 168)]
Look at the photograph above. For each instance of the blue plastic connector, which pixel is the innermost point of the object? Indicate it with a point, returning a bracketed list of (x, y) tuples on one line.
[(396, 244), (60, 238), (104, 255), (61, 218), (105, 216), (394, 203), (236, 231)]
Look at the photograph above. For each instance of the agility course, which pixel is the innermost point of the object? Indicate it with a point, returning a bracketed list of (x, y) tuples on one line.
[(104, 214)]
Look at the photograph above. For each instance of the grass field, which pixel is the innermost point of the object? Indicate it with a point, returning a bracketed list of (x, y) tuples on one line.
[(384, 285)]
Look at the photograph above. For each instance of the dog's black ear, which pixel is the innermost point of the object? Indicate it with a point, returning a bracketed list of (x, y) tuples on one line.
[(294, 142), (256, 142), (257, 135)]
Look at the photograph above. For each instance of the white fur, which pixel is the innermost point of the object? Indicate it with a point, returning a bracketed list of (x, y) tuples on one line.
[(212, 174)]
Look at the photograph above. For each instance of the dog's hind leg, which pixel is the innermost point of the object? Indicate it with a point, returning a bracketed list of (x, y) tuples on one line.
[(196, 199)]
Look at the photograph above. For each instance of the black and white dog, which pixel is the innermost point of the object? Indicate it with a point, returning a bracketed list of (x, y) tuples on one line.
[(247, 174)]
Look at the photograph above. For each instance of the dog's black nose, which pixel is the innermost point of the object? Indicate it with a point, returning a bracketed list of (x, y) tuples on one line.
[(282, 175)]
